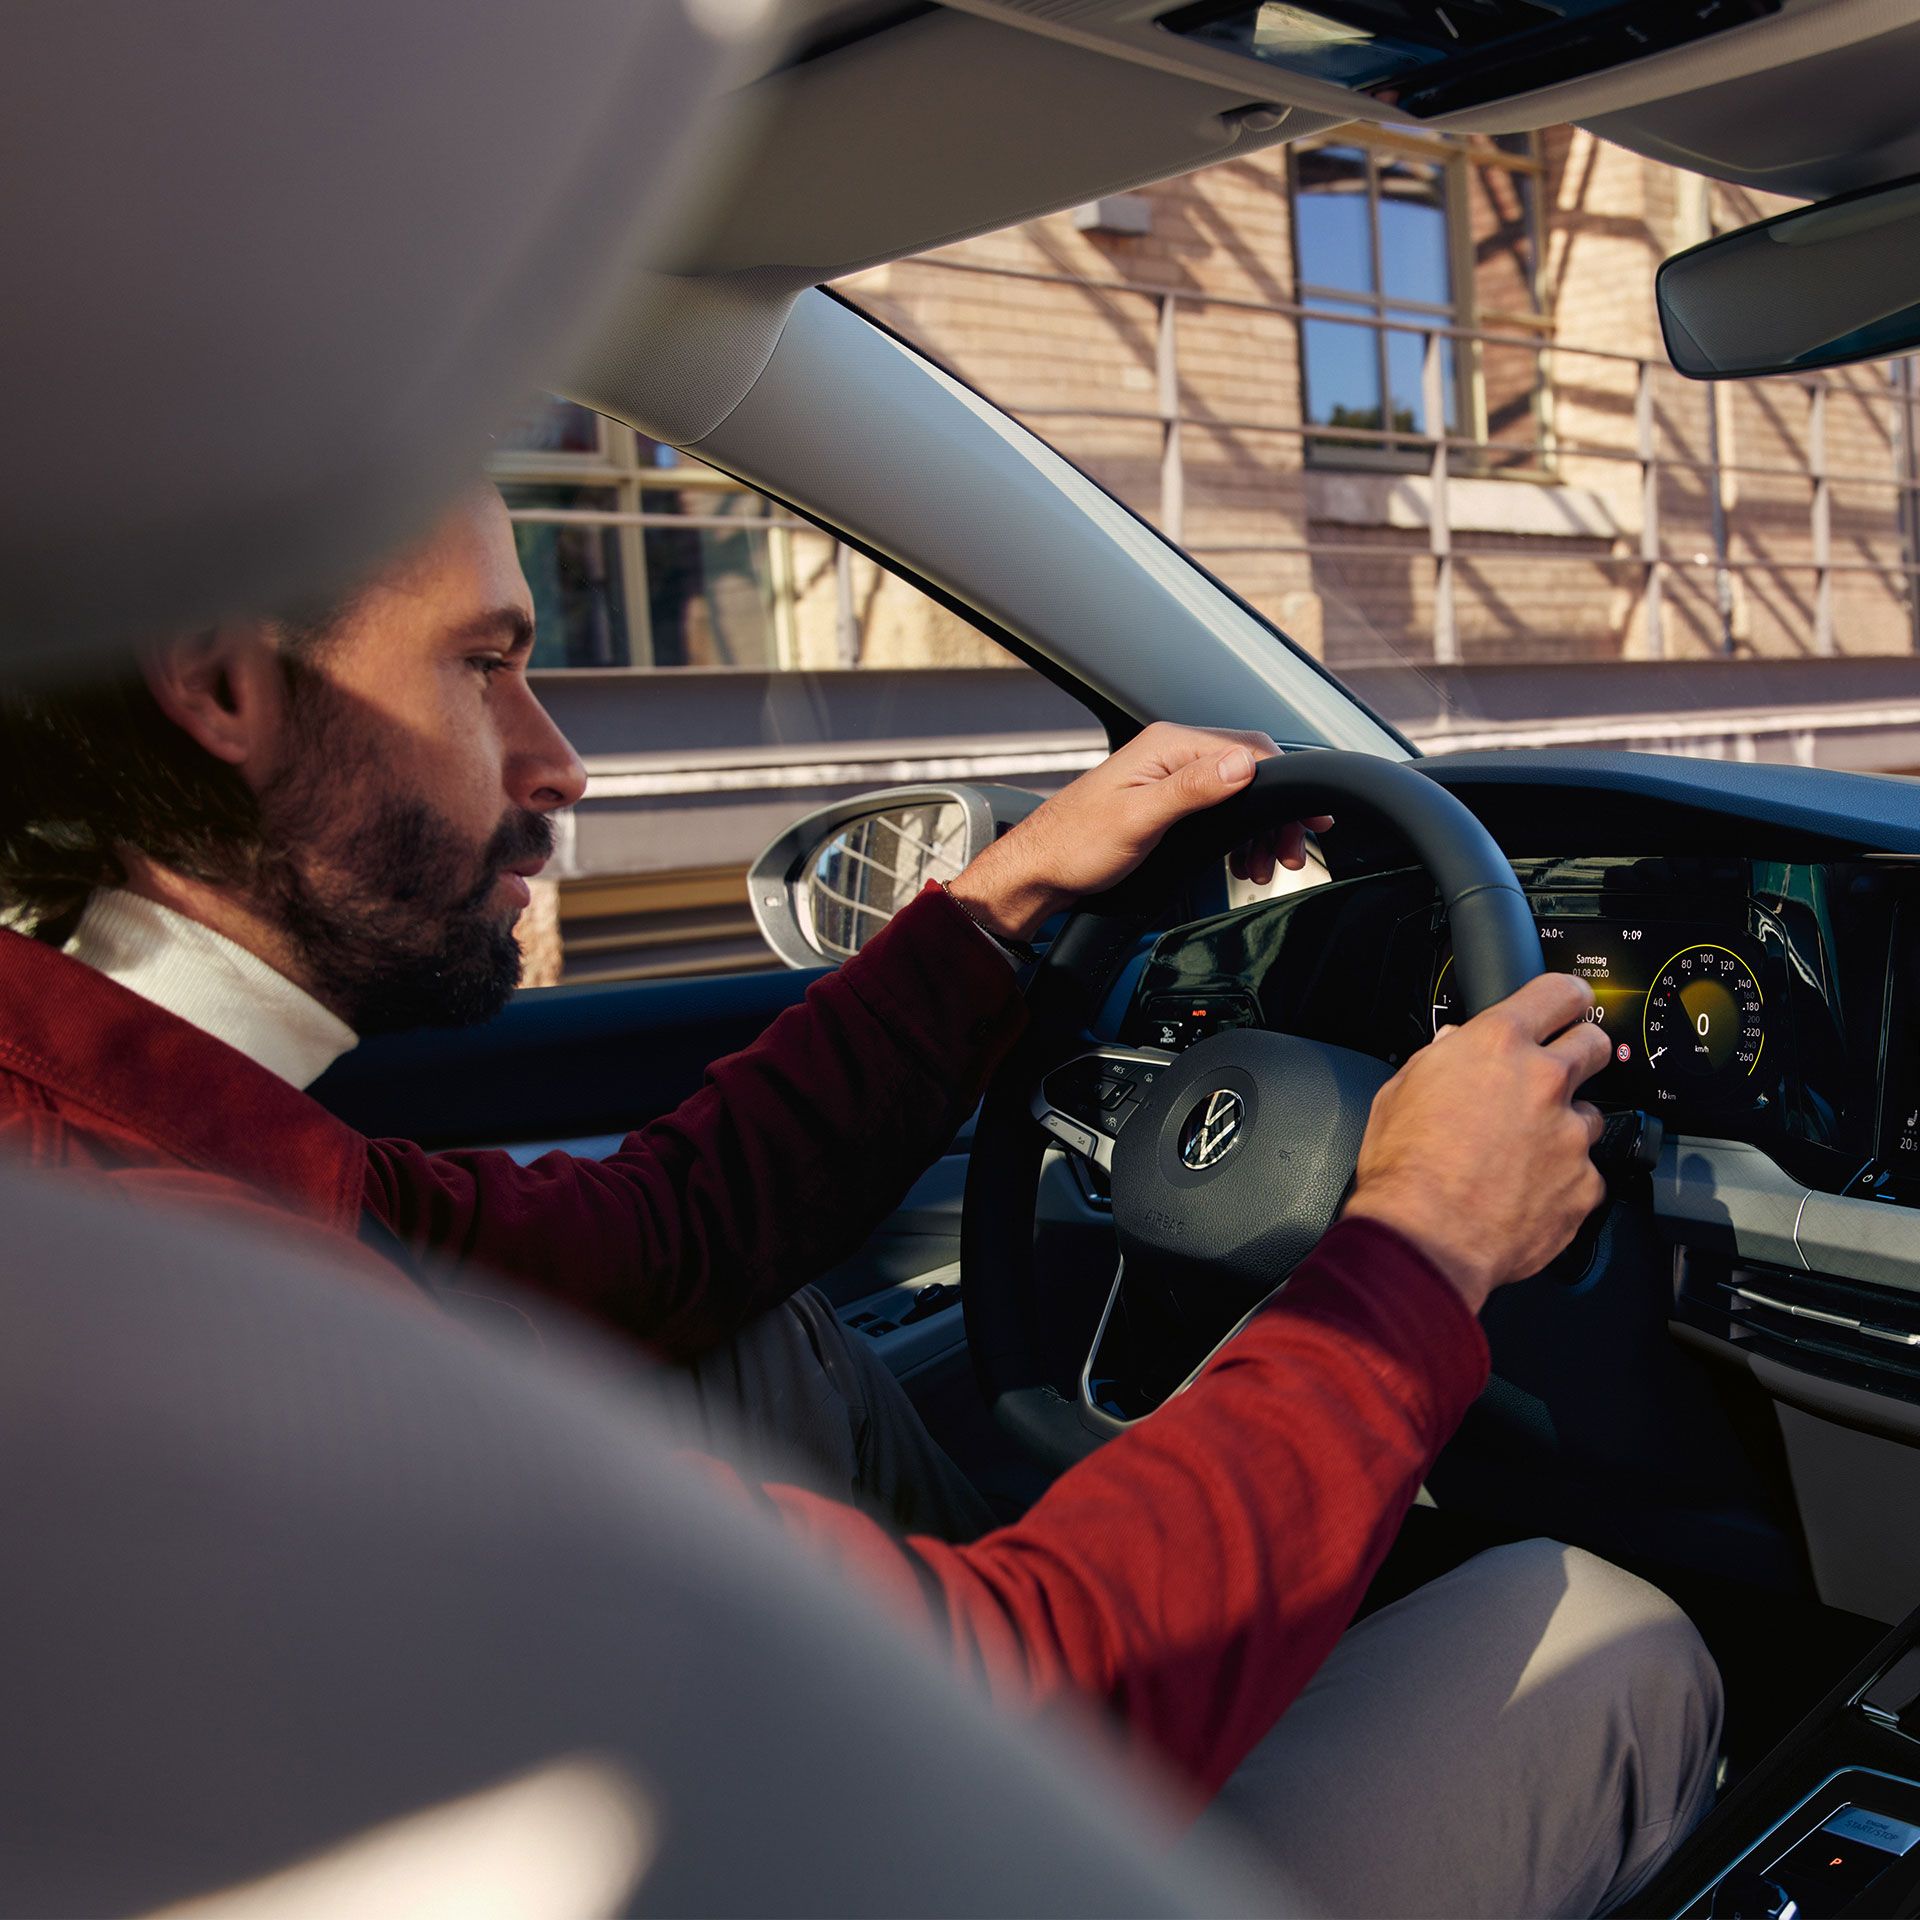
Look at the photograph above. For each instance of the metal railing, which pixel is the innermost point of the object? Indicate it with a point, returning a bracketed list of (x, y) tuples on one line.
[(1452, 455)]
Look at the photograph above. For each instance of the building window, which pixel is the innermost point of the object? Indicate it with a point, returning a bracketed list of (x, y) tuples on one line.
[(639, 557), (1396, 236)]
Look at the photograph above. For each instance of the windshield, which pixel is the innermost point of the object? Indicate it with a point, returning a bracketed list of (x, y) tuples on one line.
[(1406, 395), (1403, 396)]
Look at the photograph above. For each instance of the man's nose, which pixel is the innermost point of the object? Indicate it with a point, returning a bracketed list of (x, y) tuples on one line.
[(544, 772)]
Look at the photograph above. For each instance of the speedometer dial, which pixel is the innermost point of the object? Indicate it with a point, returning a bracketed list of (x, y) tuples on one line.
[(1705, 1024)]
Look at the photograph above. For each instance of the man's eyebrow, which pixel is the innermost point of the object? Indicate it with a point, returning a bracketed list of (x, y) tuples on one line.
[(510, 624)]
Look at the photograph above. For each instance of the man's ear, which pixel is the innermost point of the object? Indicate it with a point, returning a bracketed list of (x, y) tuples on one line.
[(224, 687)]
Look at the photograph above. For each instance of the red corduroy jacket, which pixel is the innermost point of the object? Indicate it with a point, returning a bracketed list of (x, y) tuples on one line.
[(1190, 1576)]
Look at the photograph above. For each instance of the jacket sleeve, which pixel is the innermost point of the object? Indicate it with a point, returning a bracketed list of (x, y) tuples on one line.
[(1193, 1574), (788, 1157)]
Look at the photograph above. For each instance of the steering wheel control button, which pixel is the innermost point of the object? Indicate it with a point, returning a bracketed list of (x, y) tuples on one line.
[(1069, 1135), (1212, 1129), (1111, 1093)]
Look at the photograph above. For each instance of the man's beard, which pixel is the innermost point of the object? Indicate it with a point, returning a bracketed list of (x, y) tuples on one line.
[(392, 914)]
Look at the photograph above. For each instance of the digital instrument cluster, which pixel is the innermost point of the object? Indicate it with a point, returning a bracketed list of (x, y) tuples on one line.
[(1770, 1001), (1682, 1005)]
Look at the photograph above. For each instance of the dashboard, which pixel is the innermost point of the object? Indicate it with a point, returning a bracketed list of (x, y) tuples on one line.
[(1724, 1369), (1774, 1002)]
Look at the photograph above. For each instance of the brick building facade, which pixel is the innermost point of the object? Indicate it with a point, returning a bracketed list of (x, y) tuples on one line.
[(1597, 506)]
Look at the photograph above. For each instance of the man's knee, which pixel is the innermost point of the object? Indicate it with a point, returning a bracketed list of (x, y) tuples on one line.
[(1540, 1726), (1605, 1619), (1627, 1668)]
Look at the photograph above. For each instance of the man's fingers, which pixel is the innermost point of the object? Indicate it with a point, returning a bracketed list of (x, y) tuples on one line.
[(1582, 1051), (1201, 782), (1590, 1117), (1282, 846), (1545, 1005), (1199, 740)]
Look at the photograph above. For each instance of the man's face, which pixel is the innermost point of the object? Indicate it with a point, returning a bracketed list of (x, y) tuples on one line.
[(414, 795)]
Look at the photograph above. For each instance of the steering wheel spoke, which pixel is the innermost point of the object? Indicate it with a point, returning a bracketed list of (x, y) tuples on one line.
[(1085, 1103), (1147, 1348)]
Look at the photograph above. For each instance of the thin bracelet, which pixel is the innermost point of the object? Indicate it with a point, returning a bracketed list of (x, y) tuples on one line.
[(1018, 951)]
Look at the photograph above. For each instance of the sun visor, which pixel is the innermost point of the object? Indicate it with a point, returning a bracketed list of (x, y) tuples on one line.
[(274, 272)]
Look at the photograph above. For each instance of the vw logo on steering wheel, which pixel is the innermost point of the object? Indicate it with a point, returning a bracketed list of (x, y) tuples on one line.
[(1212, 1130)]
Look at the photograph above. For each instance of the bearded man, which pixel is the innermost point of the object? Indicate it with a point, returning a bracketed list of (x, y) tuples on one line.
[(278, 836)]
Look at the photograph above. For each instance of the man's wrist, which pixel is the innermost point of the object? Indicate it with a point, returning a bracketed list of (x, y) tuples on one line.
[(1017, 953), (1001, 902), (1470, 1274)]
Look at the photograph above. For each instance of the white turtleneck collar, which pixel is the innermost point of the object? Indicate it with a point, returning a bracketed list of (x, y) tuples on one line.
[(202, 976)]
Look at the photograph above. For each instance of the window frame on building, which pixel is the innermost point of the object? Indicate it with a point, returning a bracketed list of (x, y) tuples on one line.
[(1457, 158), (619, 462)]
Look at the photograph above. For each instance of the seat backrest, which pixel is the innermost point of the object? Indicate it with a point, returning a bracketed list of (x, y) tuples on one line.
[(290, 1560)]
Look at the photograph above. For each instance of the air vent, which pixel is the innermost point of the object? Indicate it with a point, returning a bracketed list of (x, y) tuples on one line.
[(1864, 1335), (1428, 57)]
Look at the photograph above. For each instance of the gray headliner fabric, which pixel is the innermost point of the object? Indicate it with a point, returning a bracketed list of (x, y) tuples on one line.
[(1824, 124), (288, 1558), (274, 272)]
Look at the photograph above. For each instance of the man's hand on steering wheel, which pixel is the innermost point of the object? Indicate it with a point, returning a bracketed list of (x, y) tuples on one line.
[(1094, 832), (1477, 1150)]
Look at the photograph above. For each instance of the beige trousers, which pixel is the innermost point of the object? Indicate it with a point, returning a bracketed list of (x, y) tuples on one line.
[(1529, 1734)]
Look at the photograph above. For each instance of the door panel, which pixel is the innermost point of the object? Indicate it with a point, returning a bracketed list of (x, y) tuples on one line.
[(560, 1064)]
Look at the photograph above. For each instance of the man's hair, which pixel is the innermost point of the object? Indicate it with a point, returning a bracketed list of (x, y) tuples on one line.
[(90, 766)]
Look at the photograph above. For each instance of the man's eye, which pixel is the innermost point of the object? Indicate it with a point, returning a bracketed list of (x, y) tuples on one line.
[(488, 664)]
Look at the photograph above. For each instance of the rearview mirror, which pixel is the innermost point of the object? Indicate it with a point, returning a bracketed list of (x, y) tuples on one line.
[(1817, 287), (834, 878)]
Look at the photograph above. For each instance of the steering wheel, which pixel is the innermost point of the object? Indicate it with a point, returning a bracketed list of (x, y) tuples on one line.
[(1228, 1161)]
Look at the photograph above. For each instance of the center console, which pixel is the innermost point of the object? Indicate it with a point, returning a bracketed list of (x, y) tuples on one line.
[(1829, 1823)]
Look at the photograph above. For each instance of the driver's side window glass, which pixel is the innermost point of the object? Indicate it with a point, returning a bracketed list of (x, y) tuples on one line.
[(724, 667)]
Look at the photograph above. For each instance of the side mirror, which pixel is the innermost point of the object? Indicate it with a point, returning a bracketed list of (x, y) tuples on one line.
[(1817, 287), (834, 878)]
